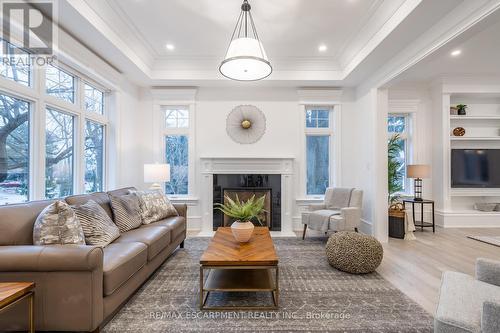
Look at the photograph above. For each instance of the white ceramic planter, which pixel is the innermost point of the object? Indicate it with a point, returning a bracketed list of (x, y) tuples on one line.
[(242, 231)]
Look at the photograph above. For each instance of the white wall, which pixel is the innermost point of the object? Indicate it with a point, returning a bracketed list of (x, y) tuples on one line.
[(283, 138)]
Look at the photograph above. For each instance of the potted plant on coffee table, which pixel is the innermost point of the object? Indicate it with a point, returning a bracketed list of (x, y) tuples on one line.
[(244, 212)]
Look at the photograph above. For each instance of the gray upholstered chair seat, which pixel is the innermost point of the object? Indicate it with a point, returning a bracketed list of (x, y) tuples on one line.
[(340, 211), (461, 301), (467, 304)]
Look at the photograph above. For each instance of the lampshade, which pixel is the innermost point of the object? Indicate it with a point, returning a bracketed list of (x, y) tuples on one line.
[(246, 60), (418, 171), (156, 173)]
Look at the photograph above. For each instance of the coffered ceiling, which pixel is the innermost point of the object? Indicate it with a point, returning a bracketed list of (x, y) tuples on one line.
[(360, 36)]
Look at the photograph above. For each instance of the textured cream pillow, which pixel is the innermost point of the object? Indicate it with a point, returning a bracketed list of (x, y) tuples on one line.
[(155, 206), (58, 224)]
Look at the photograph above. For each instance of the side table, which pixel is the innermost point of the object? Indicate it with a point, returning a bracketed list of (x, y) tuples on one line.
[(13, 292), (423, 224)]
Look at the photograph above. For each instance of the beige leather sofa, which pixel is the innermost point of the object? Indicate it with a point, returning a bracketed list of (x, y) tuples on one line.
[(79, 288)]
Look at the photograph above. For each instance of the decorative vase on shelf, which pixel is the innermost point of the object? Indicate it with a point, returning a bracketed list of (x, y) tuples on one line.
[(242, 231)]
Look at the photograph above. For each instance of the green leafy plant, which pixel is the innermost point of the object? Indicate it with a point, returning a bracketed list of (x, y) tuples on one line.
[(243, 210), (461, 109), (395, 173)]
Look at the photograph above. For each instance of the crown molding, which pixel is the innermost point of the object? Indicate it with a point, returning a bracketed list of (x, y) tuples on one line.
[(186, 95), (403, 105), (319, 95)]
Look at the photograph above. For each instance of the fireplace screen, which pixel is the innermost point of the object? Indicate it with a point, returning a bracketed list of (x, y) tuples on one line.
[(243, 195)]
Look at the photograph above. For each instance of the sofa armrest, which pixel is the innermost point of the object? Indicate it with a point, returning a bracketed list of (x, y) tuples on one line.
[(313, 207), (50, 258), (488, 271), (352, 216), (181, 210), (490, 317)]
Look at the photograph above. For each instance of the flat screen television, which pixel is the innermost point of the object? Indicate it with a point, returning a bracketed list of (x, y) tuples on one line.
[(475, 168)]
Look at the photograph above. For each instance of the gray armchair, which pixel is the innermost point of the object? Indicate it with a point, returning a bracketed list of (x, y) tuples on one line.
[(468, 304), (340, 211)]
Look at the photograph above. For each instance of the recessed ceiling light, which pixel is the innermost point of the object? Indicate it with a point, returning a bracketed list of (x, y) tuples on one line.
[(456, 53), (170, 47), (322, 48)]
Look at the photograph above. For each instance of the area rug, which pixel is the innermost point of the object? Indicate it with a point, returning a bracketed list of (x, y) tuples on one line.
[(492, 240), (314, 297)]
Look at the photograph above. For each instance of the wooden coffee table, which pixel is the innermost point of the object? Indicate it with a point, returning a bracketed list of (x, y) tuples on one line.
[(239, 267), (13, 292)]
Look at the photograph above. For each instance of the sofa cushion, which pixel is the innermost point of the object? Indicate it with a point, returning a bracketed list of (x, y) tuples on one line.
[(100, 197), (127, 211), (176, 224), (58, 224), (461, 301), (156, 238), (97, 226), (120, 262)]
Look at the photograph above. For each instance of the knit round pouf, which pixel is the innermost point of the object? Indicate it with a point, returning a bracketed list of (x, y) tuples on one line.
[(354, 253)]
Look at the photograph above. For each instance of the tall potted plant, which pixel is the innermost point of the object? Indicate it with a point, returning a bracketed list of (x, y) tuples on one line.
[(395, 175), (244, 212)]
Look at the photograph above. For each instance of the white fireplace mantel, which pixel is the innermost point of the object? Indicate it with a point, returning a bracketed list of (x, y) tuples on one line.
[(245, 165)]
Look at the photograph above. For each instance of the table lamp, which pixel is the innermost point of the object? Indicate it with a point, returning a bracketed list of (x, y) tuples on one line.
[(156, 173), (417, 172)]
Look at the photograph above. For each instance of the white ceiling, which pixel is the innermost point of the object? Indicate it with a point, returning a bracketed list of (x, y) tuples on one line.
[(362, 36), (480, 57)]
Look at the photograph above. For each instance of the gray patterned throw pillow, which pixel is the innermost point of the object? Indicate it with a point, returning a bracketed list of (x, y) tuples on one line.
[(97, 226), (58, 224), (155, 206), (127, 211)]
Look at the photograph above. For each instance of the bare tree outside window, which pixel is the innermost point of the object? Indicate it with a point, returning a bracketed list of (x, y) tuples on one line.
[(94, 157), (14, 149), (60, 84), (177, 157), (17, 68), (94, 99), (59, 132)]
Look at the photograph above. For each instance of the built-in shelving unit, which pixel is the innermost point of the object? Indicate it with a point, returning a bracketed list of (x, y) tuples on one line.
[(455, 206)]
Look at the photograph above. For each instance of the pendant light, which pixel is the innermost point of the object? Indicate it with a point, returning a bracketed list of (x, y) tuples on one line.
[(245, 58)]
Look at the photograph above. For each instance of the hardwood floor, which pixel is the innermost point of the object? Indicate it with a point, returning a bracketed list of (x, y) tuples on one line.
[(415, 267)]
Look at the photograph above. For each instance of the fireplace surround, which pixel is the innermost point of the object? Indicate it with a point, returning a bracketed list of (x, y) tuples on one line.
[(280, 167)]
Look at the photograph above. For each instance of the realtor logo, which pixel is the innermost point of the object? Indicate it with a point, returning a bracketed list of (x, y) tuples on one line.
[(27, 19)]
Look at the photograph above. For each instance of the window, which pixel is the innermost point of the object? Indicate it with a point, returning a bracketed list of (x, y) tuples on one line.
[(177, 156), (15, 64), (60, 84), (398, 125), (59, 133), (14, 149), (318, 166), (94, 99), (177, 118), (66, 142), (318, 143), (318, 118), (94, 156)]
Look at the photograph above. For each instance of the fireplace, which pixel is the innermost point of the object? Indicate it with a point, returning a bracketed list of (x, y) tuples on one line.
[(245, 186)]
